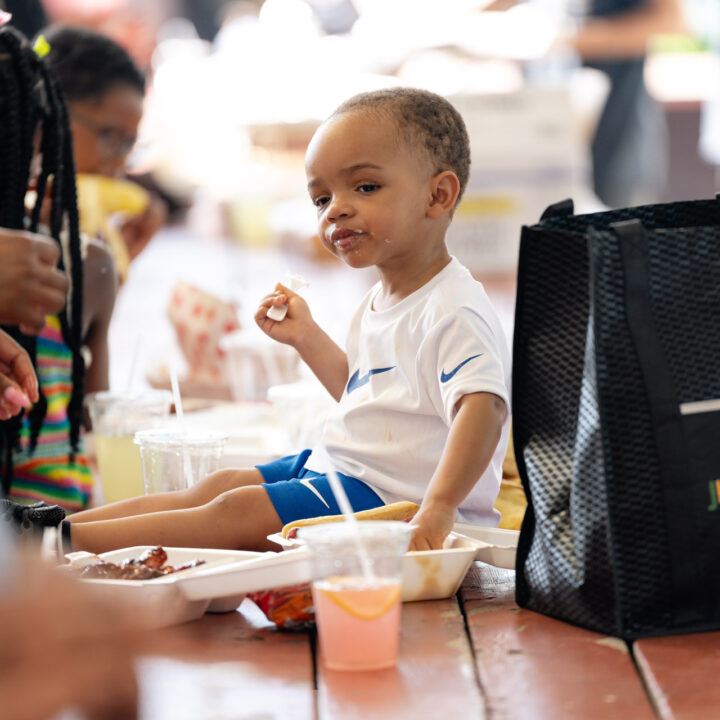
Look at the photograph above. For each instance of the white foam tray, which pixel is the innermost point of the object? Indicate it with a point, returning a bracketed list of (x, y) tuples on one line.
[(436, 574), (228, 575), (159, 601), (269, 570), (495, 546), (427, 574)]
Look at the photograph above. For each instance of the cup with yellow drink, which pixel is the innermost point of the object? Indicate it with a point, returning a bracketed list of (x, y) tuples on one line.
[(116, 418)]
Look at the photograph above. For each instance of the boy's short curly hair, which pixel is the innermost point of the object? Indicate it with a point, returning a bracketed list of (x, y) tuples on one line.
[(423, 119)]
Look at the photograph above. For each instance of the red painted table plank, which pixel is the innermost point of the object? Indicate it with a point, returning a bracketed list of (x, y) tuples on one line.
[(235, 665), (681, 673), (434, 678), (531, 666)]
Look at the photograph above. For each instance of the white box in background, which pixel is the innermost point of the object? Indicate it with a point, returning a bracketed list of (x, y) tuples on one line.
[(526, 155)]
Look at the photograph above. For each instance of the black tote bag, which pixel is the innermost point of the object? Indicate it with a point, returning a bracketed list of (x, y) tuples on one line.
[(616, 417)]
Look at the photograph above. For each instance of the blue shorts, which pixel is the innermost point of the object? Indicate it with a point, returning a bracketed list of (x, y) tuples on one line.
[(299, 493)]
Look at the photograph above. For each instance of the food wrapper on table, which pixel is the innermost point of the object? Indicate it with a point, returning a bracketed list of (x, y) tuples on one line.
[(290, 608), (200, 320)]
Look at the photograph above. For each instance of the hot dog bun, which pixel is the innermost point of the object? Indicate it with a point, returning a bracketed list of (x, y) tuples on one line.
[(403, 511)]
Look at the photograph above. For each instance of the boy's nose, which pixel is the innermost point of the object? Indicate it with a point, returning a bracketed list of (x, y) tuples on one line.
[(339, 207)]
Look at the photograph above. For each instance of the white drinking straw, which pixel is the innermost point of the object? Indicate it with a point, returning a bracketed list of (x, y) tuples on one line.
[(134, 363), (346, 508), (187, 467)]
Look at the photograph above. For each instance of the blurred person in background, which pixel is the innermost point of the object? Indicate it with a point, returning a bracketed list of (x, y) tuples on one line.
[(104, 90), (42, 451), (31, 287), (206, 15), (60, 647), (709, 141), (630, 145), (134, 24)]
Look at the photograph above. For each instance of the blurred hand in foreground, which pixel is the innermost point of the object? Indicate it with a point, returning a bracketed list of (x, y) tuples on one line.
[(63, 647), (31, 286), (18, 382)]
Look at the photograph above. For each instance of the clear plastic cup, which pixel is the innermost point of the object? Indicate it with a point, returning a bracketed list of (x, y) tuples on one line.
[(116, 418), (358, 615), (176, 459), (254, 363)]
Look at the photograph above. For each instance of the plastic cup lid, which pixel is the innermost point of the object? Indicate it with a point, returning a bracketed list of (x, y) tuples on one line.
[(148, 398), (172, 439)]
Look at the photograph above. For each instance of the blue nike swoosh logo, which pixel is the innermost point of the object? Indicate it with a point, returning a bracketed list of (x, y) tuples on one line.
[(444, 377), (356, 381)]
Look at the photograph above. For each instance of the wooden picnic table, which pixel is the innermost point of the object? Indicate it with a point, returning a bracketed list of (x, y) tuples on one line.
[(473, 656)]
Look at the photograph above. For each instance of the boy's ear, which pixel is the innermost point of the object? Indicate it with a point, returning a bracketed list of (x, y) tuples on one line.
[(445, 188)]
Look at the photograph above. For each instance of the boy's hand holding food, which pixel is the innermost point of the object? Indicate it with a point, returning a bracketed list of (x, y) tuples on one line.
[(297, 328), (296, 323)]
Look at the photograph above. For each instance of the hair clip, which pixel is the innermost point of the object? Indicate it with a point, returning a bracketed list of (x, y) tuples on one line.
[(41, 46), (5, 17)]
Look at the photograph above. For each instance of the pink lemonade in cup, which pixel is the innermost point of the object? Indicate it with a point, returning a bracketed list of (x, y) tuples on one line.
[(358, 621), (357, 585)]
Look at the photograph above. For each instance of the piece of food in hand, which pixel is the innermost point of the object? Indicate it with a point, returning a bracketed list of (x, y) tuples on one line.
[(403, 511), (295, 283)]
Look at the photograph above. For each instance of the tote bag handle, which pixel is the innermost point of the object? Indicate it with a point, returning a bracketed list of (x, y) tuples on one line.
[(668, 428)]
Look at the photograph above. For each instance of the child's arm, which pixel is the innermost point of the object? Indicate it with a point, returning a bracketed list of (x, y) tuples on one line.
[(100, 288), (473, 437), (326, 359)]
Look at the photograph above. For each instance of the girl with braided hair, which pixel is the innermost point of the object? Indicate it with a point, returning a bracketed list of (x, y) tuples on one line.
[(41, 451), (104, 90)]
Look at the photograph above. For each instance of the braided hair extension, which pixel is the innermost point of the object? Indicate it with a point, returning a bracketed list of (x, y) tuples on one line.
[(30, 100)]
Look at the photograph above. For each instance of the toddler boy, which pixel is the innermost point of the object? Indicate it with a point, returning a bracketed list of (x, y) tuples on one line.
[(423, 389)]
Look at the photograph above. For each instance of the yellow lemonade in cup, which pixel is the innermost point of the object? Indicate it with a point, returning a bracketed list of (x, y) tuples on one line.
[(115, 419), (119, 466), (357, 600), (358, 622)]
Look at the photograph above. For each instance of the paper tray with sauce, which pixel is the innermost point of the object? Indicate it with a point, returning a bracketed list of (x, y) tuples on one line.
[(436, 574), (159, 600)]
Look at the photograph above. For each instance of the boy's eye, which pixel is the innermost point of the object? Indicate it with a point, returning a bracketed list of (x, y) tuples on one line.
[(368, 187), (318, 202)]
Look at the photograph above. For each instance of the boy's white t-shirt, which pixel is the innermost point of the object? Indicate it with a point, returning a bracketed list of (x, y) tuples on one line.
[(408, 366)]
